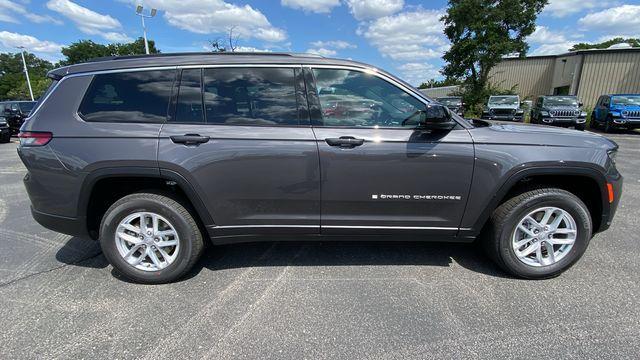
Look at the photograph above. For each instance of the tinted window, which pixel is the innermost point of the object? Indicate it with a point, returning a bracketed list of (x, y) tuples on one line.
[(141, 96), (26, 106), (250, 96), (352, 98), (189, 106)]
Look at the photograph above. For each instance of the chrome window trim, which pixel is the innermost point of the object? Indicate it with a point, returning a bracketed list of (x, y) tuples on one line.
[(368, 70)]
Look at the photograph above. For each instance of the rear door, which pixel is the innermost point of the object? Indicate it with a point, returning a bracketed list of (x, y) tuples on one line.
[(378, 174), (241, 136)]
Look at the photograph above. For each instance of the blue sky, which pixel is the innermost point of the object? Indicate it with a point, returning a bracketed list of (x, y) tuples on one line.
[(402, 36)]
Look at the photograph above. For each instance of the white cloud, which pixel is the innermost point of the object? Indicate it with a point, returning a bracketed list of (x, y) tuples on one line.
[(316, 6), (417, 72), (89, 21), (562, 8), (373, 9), (217, 17), (553, 49), (9, 41), (542, 35), (335, 44), (322, 51), (11, 12), (624, 20), (408, 36)]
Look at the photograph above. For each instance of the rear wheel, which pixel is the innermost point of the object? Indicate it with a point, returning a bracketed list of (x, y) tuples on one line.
[(539, 234), (150, 238)]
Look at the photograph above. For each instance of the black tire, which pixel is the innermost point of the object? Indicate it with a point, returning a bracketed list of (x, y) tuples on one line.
[(579, 127), (593, 124), (5, 138), (608, 127), (498, 240), (190, 237)]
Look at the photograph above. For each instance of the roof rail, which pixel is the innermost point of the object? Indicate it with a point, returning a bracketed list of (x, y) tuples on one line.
[(128, 57)]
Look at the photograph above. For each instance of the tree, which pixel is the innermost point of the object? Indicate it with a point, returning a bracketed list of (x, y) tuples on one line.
[(606, 44), (481, 33), (218, 45), (439, 83), (84, 50), (13, 83)]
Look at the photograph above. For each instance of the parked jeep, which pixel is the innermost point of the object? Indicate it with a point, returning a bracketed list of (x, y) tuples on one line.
[(616, 111), (503, 107), (154, 155), (15, 112), (454, 103), (5, 132), (559, 110)]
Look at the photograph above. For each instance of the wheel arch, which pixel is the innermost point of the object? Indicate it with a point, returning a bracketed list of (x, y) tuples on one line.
[(133, 179), (587, 183)]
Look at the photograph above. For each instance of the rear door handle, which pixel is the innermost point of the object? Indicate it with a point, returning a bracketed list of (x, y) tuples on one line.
[(347, 142), (190, 139)]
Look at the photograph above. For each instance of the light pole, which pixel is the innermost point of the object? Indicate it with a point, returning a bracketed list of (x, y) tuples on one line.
[(139, 12), (26, 71)]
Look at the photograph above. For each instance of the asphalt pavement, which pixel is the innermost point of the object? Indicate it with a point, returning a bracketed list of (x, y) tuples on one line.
[(60, 299)]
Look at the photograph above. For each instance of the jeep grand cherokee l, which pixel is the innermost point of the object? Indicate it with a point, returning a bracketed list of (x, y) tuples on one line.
[(153, 155)]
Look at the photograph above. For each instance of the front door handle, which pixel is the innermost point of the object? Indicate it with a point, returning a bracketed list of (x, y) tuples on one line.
[(190, 139), (347, 142)]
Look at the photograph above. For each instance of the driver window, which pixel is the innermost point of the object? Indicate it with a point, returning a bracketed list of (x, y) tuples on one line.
[(353, 98)]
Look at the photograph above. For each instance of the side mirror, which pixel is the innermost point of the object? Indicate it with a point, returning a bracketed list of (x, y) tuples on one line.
[(437, 117)]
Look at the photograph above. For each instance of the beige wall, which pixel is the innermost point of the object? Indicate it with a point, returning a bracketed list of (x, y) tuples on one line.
[(533, 76), (609, 73), (440, 91)]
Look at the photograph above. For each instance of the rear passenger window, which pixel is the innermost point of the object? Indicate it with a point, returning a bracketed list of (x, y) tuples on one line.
[(140, 96), (250, 96), (189, 107)]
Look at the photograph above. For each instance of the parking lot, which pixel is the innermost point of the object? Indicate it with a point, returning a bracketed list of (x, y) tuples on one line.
[(60, 299)]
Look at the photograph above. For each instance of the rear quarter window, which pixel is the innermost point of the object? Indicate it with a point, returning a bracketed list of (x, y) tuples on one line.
[(137, 97)]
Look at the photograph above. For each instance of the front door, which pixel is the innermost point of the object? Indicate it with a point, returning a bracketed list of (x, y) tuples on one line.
[(242, 137), (379, 175)]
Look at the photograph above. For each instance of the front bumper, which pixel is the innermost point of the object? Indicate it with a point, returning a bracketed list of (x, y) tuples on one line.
[(502, 117), (563, 121), (630, 123)]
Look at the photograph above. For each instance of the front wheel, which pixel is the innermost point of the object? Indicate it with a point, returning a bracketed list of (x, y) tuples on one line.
[(5, 138), (539, 234), (579, 127), (150, 238), (608, 126)]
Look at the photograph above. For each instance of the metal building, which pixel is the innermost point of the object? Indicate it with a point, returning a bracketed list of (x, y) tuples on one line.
[(442, 91), (586, 73)]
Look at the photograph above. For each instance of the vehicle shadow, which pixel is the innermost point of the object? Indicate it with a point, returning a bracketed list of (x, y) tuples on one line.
[(317, 254)]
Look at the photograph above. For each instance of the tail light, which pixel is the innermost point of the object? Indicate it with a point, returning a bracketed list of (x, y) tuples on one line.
[(33, 138)]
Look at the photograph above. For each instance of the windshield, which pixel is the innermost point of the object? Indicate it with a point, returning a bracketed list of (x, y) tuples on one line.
[(452, 101), (561, 101), (26, 106), (503, 100), (633, 100)]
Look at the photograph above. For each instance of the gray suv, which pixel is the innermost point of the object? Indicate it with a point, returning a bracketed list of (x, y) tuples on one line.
[(154, 155)]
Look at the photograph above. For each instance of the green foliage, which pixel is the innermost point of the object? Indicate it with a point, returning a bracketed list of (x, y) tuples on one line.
[(85, 50), (482, 32), (606, 44), (432, 83), (13, 83)]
